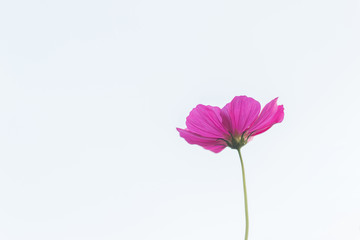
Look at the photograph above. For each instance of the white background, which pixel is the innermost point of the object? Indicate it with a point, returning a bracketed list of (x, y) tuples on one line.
[(91, 93)]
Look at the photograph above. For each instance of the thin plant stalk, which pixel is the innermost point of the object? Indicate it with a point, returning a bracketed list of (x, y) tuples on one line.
[(245, 197)]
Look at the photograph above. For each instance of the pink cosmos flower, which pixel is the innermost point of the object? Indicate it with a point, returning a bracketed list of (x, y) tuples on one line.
[(233, 125)]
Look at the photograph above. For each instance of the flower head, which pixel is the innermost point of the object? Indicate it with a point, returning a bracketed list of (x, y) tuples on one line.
[(234, 125)]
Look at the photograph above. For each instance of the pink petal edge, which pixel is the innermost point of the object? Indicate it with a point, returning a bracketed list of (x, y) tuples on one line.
[(206, 121), (213, 144), (270, 115), (239, 114)]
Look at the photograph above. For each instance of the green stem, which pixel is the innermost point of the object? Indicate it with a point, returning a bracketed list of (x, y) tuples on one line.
[(245, 197)]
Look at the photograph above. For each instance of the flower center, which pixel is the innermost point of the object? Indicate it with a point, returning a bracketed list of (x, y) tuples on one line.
[(238, 141)]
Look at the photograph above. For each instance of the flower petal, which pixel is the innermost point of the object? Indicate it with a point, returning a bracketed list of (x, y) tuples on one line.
[(238, 115), (270, 115), (213, 144), (206, 122)]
